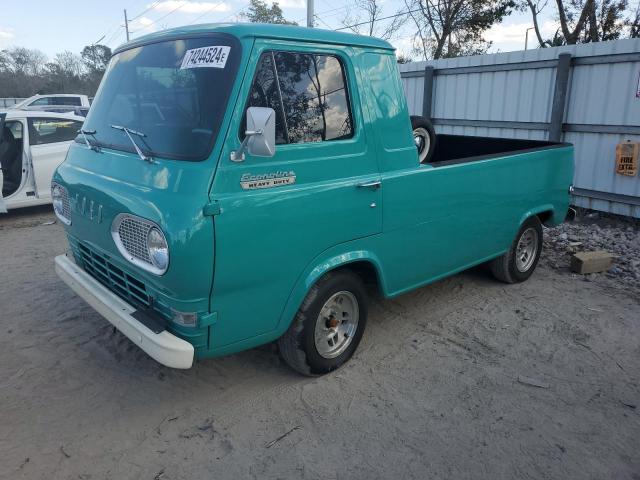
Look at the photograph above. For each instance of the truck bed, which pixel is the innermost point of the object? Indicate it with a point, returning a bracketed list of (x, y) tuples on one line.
[(454, 149)]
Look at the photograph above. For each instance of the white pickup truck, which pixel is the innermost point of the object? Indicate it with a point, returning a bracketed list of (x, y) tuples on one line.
[(32, 145), (57, 100), (58, 103)]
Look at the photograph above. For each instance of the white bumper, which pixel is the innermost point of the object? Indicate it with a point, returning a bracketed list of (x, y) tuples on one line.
[(163, 347)]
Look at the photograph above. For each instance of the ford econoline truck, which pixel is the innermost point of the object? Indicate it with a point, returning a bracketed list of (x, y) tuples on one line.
[(240, 184)]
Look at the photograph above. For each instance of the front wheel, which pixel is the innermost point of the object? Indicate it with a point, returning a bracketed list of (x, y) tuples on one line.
[(518, 264), (328, 326)]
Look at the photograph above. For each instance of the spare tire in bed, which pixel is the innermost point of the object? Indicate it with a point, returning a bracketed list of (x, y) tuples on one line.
[(424, 136)]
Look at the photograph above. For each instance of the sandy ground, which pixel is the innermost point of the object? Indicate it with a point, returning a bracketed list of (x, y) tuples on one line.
[(433, 391)]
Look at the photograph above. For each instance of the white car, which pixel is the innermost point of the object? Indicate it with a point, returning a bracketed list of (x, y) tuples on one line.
[(62, 101), (32, 145)]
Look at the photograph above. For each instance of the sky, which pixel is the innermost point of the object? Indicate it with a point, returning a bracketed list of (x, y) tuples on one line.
[(55, 26)]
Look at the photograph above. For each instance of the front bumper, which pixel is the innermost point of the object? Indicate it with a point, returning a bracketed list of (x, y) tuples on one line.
[(163, 347)]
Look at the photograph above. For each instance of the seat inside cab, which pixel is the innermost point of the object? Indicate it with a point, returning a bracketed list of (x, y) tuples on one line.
[(11, 149)]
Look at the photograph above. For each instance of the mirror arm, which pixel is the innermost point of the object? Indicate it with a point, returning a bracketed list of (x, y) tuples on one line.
[(238, 155)]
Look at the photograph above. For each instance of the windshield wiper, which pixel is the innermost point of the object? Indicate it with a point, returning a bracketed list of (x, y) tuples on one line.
[(129, 132), (84, 134)]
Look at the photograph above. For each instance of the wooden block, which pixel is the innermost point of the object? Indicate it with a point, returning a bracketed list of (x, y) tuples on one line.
[(591, 262)]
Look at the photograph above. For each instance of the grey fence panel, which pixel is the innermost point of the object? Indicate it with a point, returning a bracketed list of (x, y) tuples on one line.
[(512, 95), (413, 88)]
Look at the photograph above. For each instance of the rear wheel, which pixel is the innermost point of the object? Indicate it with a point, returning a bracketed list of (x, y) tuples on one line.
[(328, 326), (518, 264), (424, 137)]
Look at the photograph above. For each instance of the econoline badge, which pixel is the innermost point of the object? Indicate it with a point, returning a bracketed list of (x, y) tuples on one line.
[(249, 181)]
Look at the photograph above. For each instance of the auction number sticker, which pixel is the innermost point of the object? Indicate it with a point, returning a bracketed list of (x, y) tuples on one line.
[(212, 57)]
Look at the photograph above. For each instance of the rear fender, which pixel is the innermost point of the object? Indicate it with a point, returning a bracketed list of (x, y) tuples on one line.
[(538, 210)]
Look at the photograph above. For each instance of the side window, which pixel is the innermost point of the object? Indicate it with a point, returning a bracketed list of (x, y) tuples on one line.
[(51, 130), (264, 93), (308, 93), (15, 128), (334, 98), (314, 97), (41, 102), (71, 101)]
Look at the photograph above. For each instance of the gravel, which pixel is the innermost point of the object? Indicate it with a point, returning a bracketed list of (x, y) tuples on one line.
[(597, 231), (467, 378)]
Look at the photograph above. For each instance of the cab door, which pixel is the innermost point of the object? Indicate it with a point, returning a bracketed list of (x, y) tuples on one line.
[(320, 189), (49, 140)]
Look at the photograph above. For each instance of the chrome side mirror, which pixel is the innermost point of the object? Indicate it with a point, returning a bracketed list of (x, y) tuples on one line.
[(260, 137)]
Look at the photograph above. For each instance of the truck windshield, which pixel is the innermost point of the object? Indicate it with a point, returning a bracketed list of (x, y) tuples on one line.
[(174, 91)]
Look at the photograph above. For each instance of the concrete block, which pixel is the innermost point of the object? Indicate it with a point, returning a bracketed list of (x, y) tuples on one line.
[(591, 262)]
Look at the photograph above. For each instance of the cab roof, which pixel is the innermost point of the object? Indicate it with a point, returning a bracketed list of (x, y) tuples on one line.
[(262, 30)]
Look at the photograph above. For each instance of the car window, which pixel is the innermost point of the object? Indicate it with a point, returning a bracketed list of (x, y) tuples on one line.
[(51, 130), (314, 97), (308, 93), (73, 101), (16, 129), (41, 102), (264, 93)]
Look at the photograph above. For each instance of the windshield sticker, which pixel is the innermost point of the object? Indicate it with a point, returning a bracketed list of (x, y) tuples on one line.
[(212, 57)]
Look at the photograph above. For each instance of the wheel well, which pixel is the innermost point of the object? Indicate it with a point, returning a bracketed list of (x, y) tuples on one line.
[(367, 272), (544, 217)]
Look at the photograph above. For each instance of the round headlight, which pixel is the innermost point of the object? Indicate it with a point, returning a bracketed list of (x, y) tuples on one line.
[(58, 195), (158, 248)]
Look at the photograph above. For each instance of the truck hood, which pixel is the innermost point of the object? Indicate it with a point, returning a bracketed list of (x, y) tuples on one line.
[(169, 193)]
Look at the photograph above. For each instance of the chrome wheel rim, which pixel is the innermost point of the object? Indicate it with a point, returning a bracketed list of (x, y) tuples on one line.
[(336, 324), (526, 249), (423, 142)]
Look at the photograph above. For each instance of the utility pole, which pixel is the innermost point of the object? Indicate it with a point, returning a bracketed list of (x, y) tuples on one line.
[(126, 24), (310, 13)]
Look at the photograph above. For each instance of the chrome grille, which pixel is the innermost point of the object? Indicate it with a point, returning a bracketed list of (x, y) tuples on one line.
[(115, 279), (133, 235), (66, 208)]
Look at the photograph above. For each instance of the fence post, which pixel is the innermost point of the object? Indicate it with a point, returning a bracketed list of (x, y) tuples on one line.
[(559, 97), (428, 92)]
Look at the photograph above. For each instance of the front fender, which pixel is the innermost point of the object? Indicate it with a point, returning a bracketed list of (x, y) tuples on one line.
[(327, 261)]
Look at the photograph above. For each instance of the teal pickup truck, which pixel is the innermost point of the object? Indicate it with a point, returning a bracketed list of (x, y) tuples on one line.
[(240, 184)]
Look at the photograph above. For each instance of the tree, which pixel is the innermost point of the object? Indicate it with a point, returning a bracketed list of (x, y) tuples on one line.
[(373, 25), (25, 61), (452, 28), (634, 24), (536, 7), (260, 12), (22, 72), (25, 72), (64, 73), (96, 58), (608, 22), (582, 21), (573, 18), (69, 63)]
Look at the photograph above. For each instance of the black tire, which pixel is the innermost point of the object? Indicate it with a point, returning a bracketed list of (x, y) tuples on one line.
[(507, 268), (298, 347), (421, 126)]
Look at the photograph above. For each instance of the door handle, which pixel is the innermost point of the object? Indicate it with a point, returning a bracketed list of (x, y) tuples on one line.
[(374, 185)]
